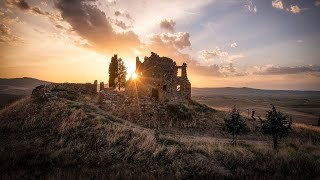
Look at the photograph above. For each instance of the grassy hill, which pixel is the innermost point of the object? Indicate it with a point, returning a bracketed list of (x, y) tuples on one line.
[(16, 88), (81, 139), (22, 83)]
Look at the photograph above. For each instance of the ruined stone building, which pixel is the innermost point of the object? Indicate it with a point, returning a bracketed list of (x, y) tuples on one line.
[(160, 79)]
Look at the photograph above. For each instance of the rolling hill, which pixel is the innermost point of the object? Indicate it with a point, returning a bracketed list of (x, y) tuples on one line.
[(16, 88)]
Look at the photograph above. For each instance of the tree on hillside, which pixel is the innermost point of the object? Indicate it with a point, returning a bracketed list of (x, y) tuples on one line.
[(113, 71), (235, 125), (122, 73), (276, 125)]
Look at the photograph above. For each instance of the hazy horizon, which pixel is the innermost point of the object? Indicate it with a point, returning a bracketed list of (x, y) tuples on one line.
[(239, 87), (272, 44)]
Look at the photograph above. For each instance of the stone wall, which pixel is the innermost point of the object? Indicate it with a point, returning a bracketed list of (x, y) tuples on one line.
[(64, 90), (158, 79)]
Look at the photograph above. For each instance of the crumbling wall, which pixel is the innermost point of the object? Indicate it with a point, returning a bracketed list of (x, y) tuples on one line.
[(64, 90), (158, 79)]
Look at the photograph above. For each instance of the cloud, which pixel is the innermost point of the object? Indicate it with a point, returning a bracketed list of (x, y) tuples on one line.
[(21, 4), (233, 45), (251, 7), (317, 3), (37, 10), (178, 40), (92, 24), (121, 24), (277, 4), (7, 37), (231, 58), (280, 70), (124, 14), (216, 53), (168, 25), (24, 6), (7, 20), (295, 9)]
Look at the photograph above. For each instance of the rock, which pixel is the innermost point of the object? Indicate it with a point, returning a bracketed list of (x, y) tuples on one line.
[(200, 158)]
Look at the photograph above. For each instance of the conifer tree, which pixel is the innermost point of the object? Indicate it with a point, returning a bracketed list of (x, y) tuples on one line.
[(122, 73), (276, 125), (235, 125), (113, 71)]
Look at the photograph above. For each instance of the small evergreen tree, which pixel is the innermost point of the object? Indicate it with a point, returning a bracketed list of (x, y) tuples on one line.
[(113, 71), (235, 125), (122, 73), (276, 125)]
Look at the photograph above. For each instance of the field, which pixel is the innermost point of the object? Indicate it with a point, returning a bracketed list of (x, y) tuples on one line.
[(303, 106)]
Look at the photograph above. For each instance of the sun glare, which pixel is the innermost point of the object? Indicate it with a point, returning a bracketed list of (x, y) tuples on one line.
[(131, 68), (134, 75)]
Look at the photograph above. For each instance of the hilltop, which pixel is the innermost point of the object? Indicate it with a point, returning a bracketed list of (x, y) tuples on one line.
[(76, 137), (19, 86), (16, 88)]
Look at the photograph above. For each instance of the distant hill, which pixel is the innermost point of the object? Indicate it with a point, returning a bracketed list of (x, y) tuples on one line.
[(16, 88), (19, 86), (249, 91)]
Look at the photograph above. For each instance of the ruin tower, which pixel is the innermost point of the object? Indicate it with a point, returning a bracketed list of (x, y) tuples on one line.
[(159, 78)]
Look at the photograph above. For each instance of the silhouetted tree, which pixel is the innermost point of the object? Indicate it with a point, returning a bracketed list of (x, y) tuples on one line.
[(122, 73), (113, 71), (276, 125), (236, 125)]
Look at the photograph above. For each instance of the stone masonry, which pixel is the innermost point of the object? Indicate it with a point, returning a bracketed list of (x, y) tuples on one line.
[(160, 79)]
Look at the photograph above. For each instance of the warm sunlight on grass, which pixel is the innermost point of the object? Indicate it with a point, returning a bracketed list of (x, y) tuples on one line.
[(305, 126)]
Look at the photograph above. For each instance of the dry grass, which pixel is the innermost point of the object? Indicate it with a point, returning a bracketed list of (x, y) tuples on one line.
[(307, 127), (67, 139)]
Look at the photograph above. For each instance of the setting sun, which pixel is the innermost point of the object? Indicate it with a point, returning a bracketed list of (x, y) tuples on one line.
[(134, 75)]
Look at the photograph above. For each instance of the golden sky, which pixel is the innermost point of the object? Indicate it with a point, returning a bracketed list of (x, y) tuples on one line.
[(234, 43)]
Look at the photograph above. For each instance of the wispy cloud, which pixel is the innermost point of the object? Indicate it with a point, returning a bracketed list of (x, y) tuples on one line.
[(251, 7), (7, 37), (24, 6), (178, 40), (280, 70), (277, 4), (233, 45), (213, 54), (121, 24), (21, 4), (294, 9), (218, 54), (122, 13), (168, 24)]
